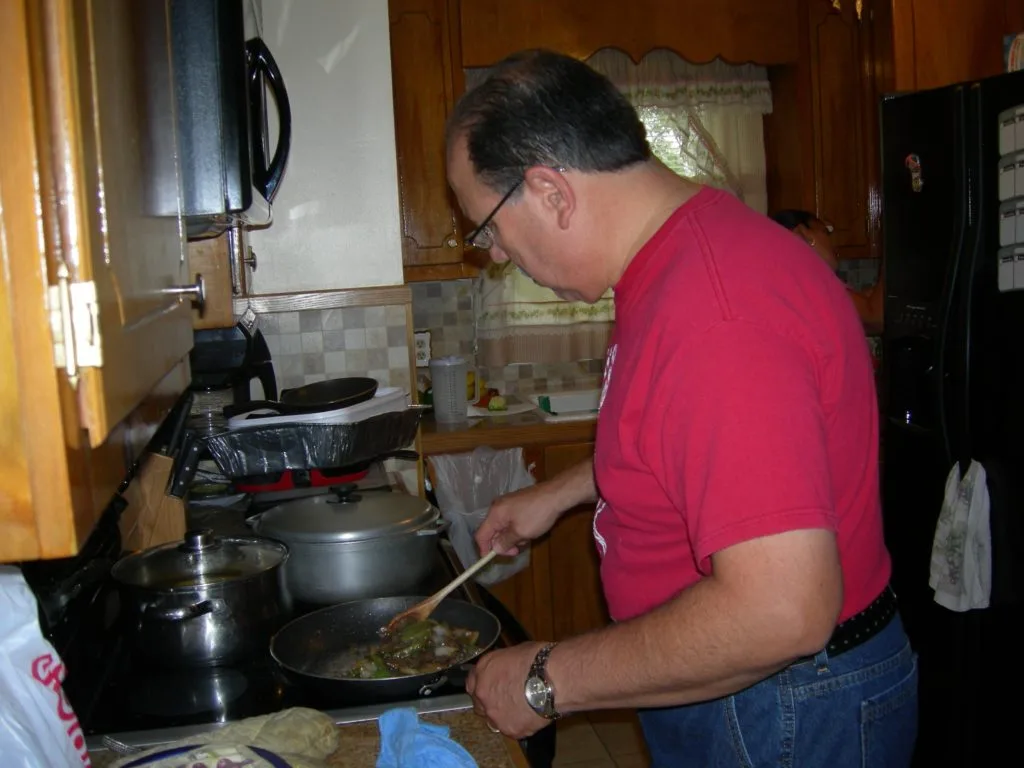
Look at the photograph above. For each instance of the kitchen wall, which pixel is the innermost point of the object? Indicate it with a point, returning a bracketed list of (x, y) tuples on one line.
[(336, 222), (317, 344), (446, 310)]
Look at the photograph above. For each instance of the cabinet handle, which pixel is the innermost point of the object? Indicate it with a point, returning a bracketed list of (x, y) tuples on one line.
[(452, 242), (197, 291), (251, 260)]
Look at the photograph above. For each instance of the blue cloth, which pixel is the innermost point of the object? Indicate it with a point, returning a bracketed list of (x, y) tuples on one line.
[(405, 742)]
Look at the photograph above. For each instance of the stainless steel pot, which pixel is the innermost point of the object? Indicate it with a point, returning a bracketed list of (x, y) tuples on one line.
[(207, 600), (349, 544)]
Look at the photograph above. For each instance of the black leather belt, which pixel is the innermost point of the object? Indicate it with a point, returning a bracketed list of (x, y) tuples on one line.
[(861, 627)]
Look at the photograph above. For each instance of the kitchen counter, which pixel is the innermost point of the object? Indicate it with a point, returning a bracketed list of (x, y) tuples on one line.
[(519, 430), (359, 737), (360, 742)]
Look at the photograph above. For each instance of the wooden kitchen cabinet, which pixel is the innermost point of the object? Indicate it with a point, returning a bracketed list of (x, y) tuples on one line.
[(940, 42), (577, 600), (559, 595), (737, 31), (91, 341), (821, 140), (425, 84)]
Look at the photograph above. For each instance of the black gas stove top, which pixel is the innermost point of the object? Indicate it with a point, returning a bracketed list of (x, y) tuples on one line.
[(134, 694), (114, 690)]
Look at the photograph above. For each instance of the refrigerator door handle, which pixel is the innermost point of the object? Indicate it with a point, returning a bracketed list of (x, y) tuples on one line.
[(959, 236)]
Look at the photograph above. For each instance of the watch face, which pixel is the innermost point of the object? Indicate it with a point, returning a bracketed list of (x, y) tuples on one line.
[(536, 692)]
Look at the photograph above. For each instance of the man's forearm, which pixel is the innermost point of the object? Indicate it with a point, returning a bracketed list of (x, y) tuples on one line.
[(702, 645), (575, 485)]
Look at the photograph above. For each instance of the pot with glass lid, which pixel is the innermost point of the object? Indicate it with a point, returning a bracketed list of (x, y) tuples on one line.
[(206, 600), (350, 544)]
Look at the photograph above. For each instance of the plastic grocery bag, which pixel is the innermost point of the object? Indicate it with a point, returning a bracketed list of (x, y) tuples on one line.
[(38, 728), (467, 483)]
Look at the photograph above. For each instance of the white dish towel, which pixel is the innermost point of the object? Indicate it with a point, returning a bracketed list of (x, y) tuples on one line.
[(961, 567)]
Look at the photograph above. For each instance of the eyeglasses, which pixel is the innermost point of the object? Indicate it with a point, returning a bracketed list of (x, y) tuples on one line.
[(483, 236)]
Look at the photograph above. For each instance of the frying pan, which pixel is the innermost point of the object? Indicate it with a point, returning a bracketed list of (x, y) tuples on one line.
[(303, 646), (312, 398)]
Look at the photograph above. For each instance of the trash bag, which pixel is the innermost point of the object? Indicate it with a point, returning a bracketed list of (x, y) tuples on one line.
[(38, 728), (466, 484)]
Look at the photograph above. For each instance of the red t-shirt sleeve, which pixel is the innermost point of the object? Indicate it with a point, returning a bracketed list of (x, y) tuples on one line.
[(742, 448)]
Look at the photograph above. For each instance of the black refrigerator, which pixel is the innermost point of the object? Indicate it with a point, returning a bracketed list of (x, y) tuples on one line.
[(953, 391)]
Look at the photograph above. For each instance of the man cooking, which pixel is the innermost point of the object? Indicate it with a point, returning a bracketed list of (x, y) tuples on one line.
[(735, 469)]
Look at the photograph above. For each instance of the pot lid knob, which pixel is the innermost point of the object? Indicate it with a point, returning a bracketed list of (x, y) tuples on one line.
[(200, 540), (346, 494)]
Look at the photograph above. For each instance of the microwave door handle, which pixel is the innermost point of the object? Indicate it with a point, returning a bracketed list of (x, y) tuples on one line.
[(262, 62)]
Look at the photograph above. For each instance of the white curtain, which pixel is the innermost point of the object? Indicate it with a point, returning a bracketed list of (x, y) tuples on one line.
[(704, 122)]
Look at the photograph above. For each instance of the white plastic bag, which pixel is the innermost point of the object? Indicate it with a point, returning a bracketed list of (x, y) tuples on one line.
[(466, 485), (38, 728)]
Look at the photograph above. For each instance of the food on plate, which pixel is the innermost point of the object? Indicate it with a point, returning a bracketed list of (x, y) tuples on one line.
[(497, 403), (417, 648), (486, 397)]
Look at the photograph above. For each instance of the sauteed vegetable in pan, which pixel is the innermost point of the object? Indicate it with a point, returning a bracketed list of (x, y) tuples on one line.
[(416, 649)]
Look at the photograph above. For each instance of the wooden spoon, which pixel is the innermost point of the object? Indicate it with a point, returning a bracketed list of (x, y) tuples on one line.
[(421, 611)]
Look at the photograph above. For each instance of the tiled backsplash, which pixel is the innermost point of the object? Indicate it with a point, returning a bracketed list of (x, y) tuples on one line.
[(317, 344), (446, 310)]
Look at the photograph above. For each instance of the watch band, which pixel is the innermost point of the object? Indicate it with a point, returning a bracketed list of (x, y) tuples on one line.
[(539, 670)]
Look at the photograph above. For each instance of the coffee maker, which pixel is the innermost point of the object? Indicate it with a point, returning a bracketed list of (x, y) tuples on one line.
[(225, 362)]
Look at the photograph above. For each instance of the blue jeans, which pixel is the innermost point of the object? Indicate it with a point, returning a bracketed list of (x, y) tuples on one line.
[(854, 710)]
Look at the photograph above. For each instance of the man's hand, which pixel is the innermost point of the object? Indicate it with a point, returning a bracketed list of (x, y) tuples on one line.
[(517, 519), (520, 517), (497, 684)]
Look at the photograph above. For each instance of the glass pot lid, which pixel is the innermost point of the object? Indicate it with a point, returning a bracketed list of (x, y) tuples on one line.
[(347, 515), (200, 560)]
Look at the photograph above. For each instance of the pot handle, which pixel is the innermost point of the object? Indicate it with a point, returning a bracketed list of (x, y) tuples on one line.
[(253, 521), (186, 612), (440, 526)]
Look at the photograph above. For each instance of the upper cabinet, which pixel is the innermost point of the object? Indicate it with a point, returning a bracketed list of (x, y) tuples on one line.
[(336, 220), (424, 45), (115, 238), (95, 316), (821, 140), (940, 42), (738, 31)]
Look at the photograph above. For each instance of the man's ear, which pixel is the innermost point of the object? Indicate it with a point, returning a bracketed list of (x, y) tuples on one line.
[(804, 232), (553, 192)]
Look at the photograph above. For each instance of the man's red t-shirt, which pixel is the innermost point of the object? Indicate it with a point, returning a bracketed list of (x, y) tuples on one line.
[(739, 402)]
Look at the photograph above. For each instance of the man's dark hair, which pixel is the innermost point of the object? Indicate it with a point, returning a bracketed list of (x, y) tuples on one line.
[(543, 108), (793, 218)]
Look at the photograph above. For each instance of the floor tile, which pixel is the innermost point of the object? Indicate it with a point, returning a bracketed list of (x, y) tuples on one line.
[(619, 731), (637, 760), (577, 743)]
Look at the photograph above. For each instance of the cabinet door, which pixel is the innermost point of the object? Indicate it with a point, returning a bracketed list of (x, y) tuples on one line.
[(844, 125), (110, 176), (699, 30), (577, 600), (527, 594), (422, 80), (941, 42)]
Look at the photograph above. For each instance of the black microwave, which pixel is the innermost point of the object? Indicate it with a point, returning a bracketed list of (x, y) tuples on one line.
[(224, 86)]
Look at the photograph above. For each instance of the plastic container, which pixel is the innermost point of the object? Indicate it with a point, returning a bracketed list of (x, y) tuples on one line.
[(448, 382)]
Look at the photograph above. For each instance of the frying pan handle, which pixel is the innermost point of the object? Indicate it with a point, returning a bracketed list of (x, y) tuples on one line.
[(433, 685), (237, 409), (440, 526)]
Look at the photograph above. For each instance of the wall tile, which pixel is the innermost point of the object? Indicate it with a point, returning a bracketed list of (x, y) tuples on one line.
[(446, 309), (313, 345)]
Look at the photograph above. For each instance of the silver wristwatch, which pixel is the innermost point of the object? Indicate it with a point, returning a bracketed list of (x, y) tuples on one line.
[(539, 693)]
